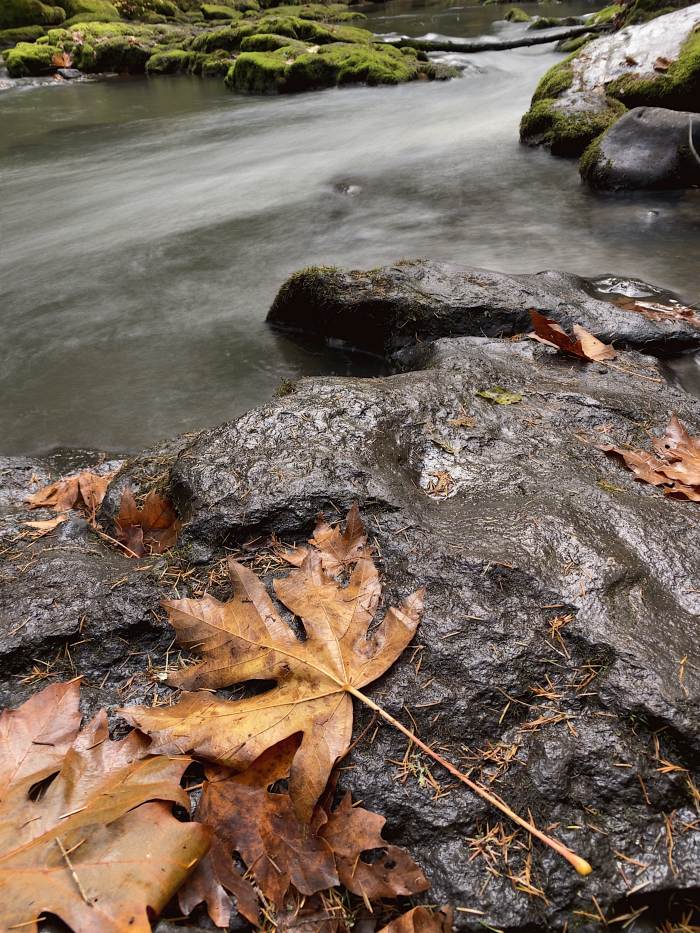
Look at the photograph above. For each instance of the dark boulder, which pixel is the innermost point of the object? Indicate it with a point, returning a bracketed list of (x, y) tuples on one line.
[(382, 310), (647, 148)]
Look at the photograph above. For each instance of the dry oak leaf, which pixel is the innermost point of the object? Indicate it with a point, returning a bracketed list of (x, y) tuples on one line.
[(246, 639), (151, 529), (86, 489), (583, 344), (677, 466), (280, 851), (422, 920), (98, 847)]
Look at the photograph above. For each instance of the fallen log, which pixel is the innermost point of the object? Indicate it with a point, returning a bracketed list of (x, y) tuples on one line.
[(491, 45)]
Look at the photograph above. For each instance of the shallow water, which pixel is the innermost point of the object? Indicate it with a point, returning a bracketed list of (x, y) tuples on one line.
[(146, 226)]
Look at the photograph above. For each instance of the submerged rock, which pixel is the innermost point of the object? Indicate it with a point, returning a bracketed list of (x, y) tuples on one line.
[(655, 64), (550, 574), (385, 309), (647, 148)]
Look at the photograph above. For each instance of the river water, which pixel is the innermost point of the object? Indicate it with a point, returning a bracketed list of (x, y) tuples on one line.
[(146, 226)]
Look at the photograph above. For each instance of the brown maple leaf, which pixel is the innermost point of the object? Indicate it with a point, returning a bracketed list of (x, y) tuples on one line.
[(677, 466), (247, 639), (338, 548), (282, 853), (422, 920), (61, 60), (151, 529), (99, 846), (583, 344), (84, 490), (656, 310)]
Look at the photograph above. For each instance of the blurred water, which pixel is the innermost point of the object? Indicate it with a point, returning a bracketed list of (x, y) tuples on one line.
[(146, 226)]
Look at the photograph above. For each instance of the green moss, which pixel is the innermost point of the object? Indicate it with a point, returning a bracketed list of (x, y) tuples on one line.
[(311, 31), (607, 14), (173, 61), (554, 82), (267, 42), (257, 73), (10, 37), (566, 133), (590, 160), (210, 11), (516, 15), (641, 11), (324, 13), (215, 65), (28, 58), (676, 89), (101, 9), (549, 22), (575, 43), (228, 38), (15, 13)]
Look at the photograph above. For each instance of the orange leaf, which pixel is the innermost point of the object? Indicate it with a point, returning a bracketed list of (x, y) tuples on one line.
[(151, 529), (583, 344), (422, 920)]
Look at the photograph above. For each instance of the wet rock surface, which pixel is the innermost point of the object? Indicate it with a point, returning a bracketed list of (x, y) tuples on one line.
[(557, 656), (385, 309), (649, 147)]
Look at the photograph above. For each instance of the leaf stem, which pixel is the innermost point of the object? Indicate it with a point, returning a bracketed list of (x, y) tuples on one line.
[(581, 865)]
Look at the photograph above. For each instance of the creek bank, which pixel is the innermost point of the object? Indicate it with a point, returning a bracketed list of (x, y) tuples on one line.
[(656, 64), (550, 573)]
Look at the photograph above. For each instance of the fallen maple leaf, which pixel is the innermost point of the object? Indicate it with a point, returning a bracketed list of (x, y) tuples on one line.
[(677, 466), (46, 525), (422, 920), (246, 639), (281, 852), (583, 344), (338, 548), (98, 847), (151, 529), (86, 489)]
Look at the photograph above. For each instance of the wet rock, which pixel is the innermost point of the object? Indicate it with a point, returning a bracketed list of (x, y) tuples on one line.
[(557, 657), (384, 309), (654, 64), (647, 148), (531, 528), (69, 74)]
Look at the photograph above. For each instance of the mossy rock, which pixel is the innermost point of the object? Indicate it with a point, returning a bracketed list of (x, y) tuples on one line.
[(123, 54), (323, 13), (554, 82), (227, 39), (311, 31), (29, 59), (213, 12), (215, 65), (566, 132), (100, 10), (170, 62), (676, 89), (10, 37), (642, 11), (516, 15), (606, 15), (552, 22), (268, 42), (257, 73), (14, 13), (574, 43)]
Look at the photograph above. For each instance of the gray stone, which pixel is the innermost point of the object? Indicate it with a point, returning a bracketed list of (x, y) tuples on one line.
[(647, 148), (385, 309)]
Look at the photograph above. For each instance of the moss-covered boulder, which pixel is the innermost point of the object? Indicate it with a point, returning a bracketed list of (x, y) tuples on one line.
[(30, 59), (268, 42), (517, 15), (655, 64), (294, 68), (100, 10), (14, 13), (10, 37), (634, 12), (172, 61), (214, 11)]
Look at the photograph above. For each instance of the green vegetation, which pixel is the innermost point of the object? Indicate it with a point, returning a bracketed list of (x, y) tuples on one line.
[(15, 13), (516, 15), (554, 82), (566, 133), (10, 37), (101, 10), (641, 11), (27, 59), (607, 14)]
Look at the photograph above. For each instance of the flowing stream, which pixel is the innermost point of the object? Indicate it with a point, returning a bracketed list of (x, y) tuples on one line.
[(145, 226)]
